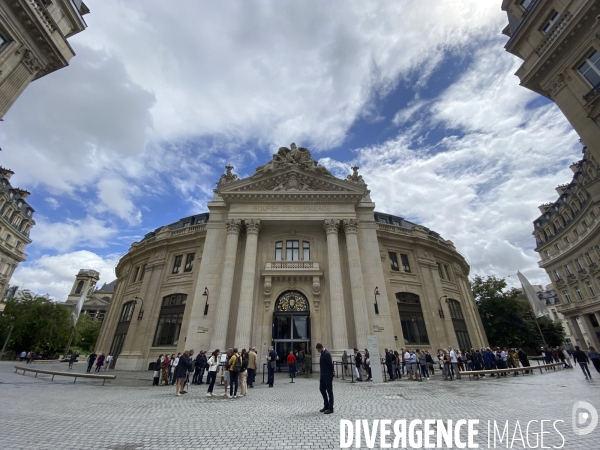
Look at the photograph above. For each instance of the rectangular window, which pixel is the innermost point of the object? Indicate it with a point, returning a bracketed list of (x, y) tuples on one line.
[(576, 232), (593, 320), (136, 271), (567, 241), (551, 21), (566, 296), (578, 292), (556, 275), (177, 263), (447, 271), (554, 314), (167, 329), (127, 312), (143, 272), (394, 261), (597, 247), (189, 262), (548, 253), (590, 69), (439, 267), (278, 251), (584, 223), (306, 251), (590, 288), (413, 329), (382, 220), (589, 258), (405, 264), (292, 250), (525, 3), (568, 269), (578, 264), (557, 247)]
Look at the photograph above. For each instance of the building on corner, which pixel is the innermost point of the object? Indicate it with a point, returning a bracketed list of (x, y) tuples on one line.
[(97, 301), (289, 257)]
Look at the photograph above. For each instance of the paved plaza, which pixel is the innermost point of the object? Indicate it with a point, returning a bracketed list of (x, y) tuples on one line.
[(130, 414)]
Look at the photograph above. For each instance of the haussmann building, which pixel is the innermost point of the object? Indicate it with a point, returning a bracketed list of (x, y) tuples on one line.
[(289, 257)]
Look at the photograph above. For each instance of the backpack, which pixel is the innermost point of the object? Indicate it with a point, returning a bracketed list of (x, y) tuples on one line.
[(237, 365)]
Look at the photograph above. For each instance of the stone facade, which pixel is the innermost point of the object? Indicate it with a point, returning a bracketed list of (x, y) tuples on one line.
[(97, 301), (16, 220), (289, 256), (568, 241), (559, 43), (33, 42)]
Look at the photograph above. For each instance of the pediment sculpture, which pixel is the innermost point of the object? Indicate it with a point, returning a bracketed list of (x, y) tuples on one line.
[(292, 157)]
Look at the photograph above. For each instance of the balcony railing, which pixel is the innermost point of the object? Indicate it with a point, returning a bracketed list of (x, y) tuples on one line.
[(294, 265), (592, 94), (554, 33)]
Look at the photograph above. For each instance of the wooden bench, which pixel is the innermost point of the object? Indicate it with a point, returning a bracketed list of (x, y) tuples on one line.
[(45, 361), (66, 374), (511, 369)]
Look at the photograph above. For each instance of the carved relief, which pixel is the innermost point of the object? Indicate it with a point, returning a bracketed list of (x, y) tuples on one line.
[(252, 226), (331, 225), (350, 225), (291, 157), (227, 177), (292, 301), (556, 85), (233, 226), (31, 62), (316, 287)]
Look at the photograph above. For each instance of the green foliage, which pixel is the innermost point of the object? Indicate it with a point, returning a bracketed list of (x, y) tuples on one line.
[(86, 333), (39, 325), (508, 321)]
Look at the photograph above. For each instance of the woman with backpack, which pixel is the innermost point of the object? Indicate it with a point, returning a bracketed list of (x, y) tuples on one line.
[(244, 374)]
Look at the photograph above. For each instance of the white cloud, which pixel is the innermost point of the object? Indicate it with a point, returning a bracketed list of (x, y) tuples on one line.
[(114, 196), (52, 202), (55, 274), (64, 236)]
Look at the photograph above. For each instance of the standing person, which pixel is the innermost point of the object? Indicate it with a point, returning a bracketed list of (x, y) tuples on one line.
[(307, 363), (326, 382), (454, 362), (567, 359), (109, 359), (100, 362), (581, 358), (594, 358), (389, 363), (367, 364), (345, 361), (184, 365), (90, 360), (22, 356), (523, 359), (156, 374), (429, 361), (197, 365), (213, 365), (226, 371), (252, 365), (407, 364), (164, 366), (235, 365), (244, 374), (357, 364), (72, 359), (423, 363), (271, 364), (397, 365), (174, 365), (291, 360), (300, 362)]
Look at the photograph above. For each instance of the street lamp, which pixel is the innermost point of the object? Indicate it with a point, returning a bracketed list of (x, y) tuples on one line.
[(206, 305), (441, 311), (141, 313), (376, 292)]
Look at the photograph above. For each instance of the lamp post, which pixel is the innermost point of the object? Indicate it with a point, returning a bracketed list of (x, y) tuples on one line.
[(441, 310), (206, 292), (141, 313), (376, 292)]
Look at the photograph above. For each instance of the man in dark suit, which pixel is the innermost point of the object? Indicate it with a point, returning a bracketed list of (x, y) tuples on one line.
[(271, 364), (326, 385)]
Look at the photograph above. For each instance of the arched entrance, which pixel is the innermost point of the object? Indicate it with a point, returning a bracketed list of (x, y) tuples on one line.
[(291, 324)]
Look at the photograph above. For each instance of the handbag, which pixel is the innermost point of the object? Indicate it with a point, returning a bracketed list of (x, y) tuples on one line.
[(272, 364), (156, 374)]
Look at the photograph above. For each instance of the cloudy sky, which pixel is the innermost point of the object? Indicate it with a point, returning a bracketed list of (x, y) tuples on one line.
[(421, 95)]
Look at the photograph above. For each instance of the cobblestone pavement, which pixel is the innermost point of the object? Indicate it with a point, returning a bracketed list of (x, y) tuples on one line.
[(129, 414)]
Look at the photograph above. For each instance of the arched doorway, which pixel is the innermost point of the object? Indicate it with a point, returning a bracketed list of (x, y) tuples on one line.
[(291, 324)]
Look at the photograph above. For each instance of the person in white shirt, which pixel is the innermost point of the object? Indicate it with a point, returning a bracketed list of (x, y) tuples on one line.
[(174, 368), (406, 360), (454, 362), (109, 359), (213, 365), (414, 365)]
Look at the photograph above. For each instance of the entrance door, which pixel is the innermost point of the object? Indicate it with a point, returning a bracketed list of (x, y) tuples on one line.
[(291, 325)]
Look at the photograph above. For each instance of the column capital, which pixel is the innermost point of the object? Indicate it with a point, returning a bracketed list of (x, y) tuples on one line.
[(234, 226), (350, 225), (252, 226), (331, 226)]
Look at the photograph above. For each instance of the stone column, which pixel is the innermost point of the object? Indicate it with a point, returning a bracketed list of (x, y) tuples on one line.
[(244, 319), (359, 301), (222, 317), (336, 294)]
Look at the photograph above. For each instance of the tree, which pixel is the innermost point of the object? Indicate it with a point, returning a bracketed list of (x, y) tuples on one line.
[(554, 333), (39, 324), (86, 333), (508, 321)]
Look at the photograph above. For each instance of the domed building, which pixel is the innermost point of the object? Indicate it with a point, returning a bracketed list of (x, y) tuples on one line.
[(289, 257)]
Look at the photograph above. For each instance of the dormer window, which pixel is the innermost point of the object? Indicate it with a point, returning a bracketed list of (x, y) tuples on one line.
[(526, 3), (590, 68), (551, 21)]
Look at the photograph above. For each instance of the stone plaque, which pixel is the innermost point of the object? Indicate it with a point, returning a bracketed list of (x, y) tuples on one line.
[(373, 346)]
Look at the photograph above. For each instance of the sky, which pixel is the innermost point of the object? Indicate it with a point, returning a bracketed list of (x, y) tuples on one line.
[(422, 96)]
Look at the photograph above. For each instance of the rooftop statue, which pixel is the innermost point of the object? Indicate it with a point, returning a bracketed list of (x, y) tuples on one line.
[(292, 157)]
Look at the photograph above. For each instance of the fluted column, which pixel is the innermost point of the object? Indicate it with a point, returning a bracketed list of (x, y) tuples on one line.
[(222, 316), (338, 314), (244, 319), (359, 302)]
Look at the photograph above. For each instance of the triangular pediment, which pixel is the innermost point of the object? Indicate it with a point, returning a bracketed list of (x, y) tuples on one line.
[(293, 175)]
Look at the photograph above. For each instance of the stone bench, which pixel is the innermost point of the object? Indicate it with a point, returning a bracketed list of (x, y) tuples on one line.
[(66, 374), (511, 369)]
